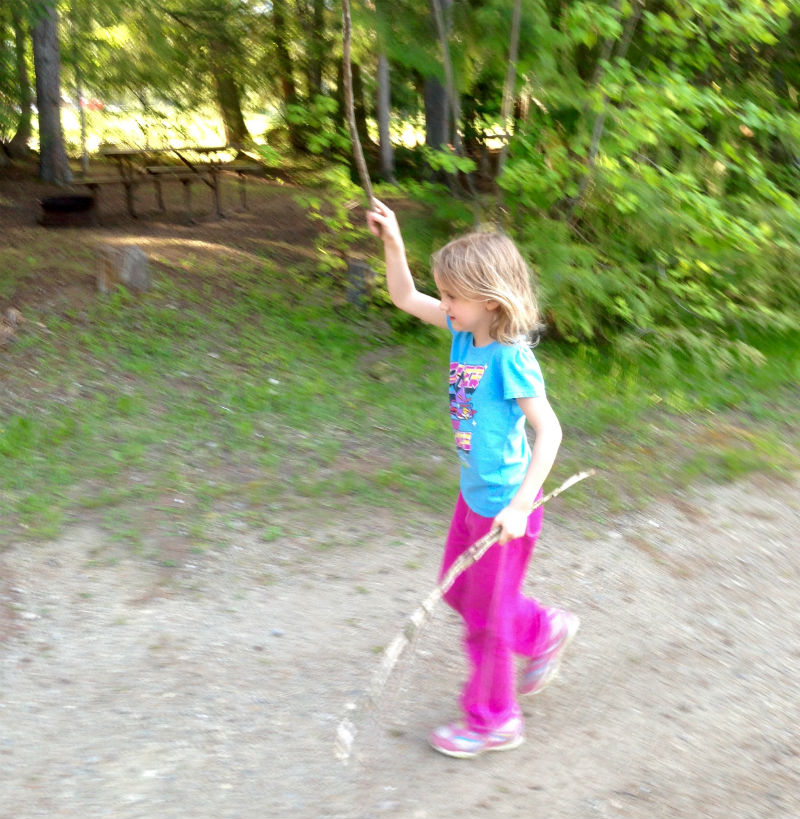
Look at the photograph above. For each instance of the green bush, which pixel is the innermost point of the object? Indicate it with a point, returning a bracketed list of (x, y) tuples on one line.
[(659, 219)]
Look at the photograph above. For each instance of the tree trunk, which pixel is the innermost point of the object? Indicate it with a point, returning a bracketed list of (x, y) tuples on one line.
[(82, 108), (229, 98), (384, 110), (358, 105), (506, 110), (285, 68), (53, 164), (18, 147), (441, 9), (438, 105), (230, 106), (340, 115), (76, 63), (317, 47), (437, 114)]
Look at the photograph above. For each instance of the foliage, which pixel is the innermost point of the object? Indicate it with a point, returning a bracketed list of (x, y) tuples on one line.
[(268, 154), (448, 161), (332, 205), (657, 216), (318, 122)]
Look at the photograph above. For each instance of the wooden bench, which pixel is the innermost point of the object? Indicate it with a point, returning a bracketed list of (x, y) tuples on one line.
[(96, 183), (185, 172), (242, 171), (186, 175)]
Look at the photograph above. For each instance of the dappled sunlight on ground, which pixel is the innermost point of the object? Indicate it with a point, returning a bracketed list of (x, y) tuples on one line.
[(274, 230)]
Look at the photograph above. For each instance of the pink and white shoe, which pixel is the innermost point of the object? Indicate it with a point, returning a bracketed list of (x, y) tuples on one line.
[(455, 739), (542, 669)]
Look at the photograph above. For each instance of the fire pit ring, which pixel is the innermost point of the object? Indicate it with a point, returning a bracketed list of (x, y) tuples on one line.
[(73, 210)]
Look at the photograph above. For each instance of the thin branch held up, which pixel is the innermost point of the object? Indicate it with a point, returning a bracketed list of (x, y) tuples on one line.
[(358, 152)]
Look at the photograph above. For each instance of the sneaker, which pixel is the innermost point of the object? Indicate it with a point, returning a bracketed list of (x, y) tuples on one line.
[(543, 669), (457, 740)]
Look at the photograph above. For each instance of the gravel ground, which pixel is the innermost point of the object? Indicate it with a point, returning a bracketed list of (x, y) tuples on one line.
[(213, 689)]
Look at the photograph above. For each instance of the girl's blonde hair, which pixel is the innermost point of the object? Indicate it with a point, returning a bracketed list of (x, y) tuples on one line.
[(486, 265)]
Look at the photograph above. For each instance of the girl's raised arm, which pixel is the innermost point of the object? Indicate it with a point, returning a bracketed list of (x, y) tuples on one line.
[(399, 281)]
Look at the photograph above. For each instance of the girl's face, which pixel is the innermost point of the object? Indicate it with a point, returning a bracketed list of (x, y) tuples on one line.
[(467, 315)]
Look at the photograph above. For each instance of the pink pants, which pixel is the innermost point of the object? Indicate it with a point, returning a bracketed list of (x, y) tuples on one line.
[(499, 621)]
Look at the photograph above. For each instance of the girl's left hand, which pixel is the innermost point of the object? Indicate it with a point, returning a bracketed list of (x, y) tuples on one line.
[(513, 522)]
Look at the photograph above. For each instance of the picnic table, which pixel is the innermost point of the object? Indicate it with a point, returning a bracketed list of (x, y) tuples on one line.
[(137, 165)]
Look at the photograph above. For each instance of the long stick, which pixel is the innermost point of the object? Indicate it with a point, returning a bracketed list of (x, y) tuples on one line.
[(346, 732), (347, 73)]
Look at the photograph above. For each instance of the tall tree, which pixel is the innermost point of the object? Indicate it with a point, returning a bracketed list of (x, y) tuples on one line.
[(437, 113), (185, 53), (280, 24), (18, 147), (384, 90), (316, 43), (440, 126), (213, 34), (53, 163), (384, 113), (510, 80), (8, 90), (228, 94), (406, 34)]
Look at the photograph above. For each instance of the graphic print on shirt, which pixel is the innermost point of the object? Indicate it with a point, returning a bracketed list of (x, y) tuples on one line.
[(464, 380)]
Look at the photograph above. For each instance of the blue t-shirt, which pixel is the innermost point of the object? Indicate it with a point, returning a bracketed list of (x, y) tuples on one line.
[(489, 426)]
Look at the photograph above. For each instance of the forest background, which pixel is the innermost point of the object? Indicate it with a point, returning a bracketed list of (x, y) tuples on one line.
[(644, 155)]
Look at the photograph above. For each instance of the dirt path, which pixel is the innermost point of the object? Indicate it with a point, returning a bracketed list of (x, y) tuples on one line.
[(214, 689)]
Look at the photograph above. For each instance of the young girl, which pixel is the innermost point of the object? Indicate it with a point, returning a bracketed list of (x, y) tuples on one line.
[(495, 386)]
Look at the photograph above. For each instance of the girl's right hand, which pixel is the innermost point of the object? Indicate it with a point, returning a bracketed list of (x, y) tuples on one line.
[(382, 222)]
